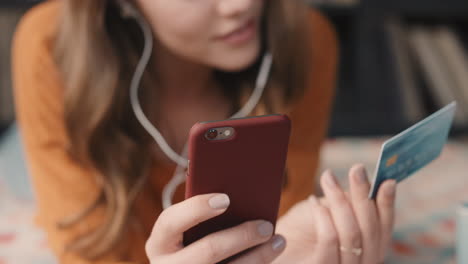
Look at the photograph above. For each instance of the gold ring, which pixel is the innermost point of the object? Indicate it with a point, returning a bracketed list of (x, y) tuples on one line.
[(355, 251)]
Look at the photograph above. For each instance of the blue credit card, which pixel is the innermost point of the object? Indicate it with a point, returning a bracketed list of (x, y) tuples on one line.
[(414, 148)]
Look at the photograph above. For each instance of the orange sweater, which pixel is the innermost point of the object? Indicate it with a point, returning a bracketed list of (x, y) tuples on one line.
[(62, 187)]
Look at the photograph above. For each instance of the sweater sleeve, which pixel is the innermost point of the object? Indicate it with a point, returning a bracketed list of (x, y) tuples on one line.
[(62, 187), (310, 116)]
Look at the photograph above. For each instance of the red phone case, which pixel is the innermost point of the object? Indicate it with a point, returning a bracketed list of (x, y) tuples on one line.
[(249, 168)]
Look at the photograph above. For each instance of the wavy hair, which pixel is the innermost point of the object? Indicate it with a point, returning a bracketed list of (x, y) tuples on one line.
[(97, 50)]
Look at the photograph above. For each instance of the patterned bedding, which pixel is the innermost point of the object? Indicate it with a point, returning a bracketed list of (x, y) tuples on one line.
[(424, 231)]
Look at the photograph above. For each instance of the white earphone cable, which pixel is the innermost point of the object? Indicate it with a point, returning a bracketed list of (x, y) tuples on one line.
[(135, 84), (181, 160), (260, 85), (179, 175)]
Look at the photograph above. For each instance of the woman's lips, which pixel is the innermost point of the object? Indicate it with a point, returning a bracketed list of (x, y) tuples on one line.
[(241, 35)]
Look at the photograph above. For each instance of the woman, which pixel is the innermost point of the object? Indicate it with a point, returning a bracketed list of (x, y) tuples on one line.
[(97, 174)]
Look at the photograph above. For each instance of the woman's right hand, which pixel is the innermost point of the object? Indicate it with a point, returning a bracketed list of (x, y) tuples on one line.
[(165, 242)]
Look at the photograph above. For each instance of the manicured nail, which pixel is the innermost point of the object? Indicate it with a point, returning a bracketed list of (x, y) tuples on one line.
[(313, 200), (219, 201), (360, 175), (390, 188), (265, 229), (278, 243), (330, 179)]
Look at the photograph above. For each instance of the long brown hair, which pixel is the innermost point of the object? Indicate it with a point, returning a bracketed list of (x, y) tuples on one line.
[(97, 50)]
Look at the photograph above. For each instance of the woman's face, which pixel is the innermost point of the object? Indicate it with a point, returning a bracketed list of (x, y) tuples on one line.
[(223, 34)]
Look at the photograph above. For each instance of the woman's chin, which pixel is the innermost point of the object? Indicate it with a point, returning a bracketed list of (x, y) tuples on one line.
[(236, 64), (237, 61)]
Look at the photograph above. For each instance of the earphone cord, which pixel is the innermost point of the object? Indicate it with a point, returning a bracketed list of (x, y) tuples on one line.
[(179, 175), (181, 160), (135, 84)]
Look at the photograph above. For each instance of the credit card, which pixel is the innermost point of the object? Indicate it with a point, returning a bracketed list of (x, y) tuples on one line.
[(414, 148)]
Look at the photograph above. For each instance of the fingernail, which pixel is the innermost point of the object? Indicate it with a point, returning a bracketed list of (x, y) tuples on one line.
[(278, 243), (265, 229), (360, 175), (313, 200), (219, 201), (391, 188), (330, 179)]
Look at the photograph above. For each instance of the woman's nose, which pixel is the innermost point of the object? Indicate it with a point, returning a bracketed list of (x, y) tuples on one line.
[(234, 7)]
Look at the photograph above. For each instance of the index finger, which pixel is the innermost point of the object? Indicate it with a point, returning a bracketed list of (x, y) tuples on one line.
[(386, 210), (167, 234)]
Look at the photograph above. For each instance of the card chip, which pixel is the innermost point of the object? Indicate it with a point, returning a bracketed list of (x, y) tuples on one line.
[(414, 148), (391, 161)]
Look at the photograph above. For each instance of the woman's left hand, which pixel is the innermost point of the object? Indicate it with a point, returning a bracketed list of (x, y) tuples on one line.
[(341, 228)]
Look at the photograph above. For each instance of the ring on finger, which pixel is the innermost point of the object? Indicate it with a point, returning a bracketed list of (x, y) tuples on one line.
[(356, 251)]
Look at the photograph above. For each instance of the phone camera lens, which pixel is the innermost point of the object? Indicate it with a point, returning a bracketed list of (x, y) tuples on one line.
[(212, 134)]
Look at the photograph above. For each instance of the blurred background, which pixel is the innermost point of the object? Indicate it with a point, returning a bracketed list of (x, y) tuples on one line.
[(400, 61)]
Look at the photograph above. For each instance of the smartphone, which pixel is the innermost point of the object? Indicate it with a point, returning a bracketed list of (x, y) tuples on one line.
[(243, 158)]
